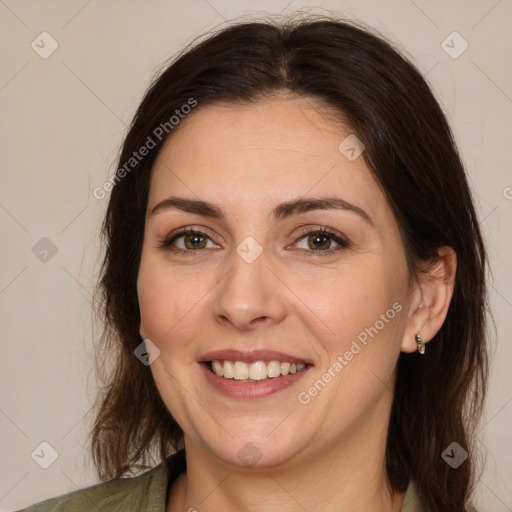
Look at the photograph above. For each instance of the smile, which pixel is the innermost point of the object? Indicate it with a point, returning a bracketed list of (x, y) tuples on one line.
[(237, 379), (255, 371)]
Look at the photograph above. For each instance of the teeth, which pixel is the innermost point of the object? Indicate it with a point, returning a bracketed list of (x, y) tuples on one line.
[(228, 369), (241, 371), (273, 369), (217, 368), (256, 371)]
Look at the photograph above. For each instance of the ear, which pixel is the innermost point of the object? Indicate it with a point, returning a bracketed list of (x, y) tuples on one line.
[(430, 298), (141, 331)]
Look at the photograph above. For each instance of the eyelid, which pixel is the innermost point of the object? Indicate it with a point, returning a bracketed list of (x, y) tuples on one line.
[(340, 239), (309, 230), (165, 243)]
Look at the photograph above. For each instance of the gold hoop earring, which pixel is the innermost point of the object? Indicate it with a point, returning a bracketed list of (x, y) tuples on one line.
[(421, 343)]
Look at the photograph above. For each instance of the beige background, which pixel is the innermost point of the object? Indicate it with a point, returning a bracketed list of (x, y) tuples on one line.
[(62, 120)]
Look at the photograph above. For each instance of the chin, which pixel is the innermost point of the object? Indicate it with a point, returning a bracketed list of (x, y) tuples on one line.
[(257, 449)]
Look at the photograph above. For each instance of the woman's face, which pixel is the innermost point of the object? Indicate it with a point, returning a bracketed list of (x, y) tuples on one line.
[(292, 256)]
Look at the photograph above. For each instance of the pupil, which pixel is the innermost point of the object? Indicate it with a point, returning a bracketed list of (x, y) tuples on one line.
[(195, 242), (319, 242)]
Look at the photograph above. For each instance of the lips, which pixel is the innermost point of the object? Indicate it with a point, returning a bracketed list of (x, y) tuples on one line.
[(242, 388), (251, 356), (245, 389)]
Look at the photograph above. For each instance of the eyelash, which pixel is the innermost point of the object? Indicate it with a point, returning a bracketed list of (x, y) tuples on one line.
[(166, 244), (323, 231)]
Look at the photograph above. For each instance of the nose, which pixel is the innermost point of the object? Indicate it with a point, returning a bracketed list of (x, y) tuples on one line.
[(249, 295)]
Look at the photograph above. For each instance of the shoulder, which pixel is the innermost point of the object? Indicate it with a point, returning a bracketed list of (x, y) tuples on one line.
[(143, 492), (411, 501)]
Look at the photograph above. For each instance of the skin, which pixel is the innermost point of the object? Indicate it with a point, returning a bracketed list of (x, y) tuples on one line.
[(246, 159)]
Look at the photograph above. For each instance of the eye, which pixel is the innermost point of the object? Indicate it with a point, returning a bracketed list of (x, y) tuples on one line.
[(189, 240), (322, 241)]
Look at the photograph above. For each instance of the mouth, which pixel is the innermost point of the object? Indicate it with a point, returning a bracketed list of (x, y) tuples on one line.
[(256, 371), (254, 374)]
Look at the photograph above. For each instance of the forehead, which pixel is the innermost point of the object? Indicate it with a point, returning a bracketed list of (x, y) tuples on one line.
[(278, 149)]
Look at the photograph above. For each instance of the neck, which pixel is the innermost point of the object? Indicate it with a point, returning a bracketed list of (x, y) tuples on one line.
[(349, 475)]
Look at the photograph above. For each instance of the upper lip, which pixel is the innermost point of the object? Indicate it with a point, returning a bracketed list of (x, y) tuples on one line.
[(250, 356)]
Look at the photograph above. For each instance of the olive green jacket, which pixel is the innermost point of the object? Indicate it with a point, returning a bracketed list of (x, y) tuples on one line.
[(145, 493)]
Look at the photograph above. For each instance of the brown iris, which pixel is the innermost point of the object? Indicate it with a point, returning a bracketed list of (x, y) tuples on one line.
[(318, 241), (195, 241)]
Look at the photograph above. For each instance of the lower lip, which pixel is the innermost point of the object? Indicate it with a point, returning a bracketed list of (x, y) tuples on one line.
[(240, 389)]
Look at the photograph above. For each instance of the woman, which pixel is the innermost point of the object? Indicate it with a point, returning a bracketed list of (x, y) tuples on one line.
[(291, 233)]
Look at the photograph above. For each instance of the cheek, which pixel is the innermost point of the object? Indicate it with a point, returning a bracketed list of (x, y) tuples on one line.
[(170, 302), (363, 308), (356, 302)]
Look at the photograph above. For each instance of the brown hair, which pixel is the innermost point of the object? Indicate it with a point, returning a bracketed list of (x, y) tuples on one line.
[(413, 156)]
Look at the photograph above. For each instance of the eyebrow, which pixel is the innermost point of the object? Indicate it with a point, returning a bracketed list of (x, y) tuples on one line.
[(280, 212)]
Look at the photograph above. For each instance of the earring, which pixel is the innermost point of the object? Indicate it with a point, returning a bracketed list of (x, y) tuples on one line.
[(421, 343)]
